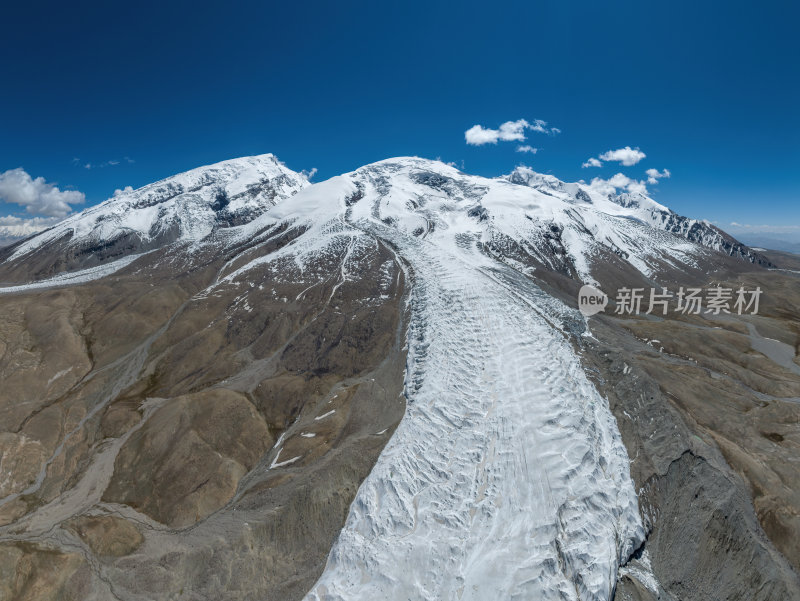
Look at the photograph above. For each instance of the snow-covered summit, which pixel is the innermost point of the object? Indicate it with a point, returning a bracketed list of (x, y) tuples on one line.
[(185, 207), (526, 217), (634, 205), (580, 191)]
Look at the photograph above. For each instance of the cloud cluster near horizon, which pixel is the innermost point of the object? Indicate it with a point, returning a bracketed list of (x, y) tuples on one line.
[(653, 175), (758, 234), (510, 131), (773, 229), (36, 195), (12, 227), (618, 181), (33, 222), (124, 191), (626, 156)]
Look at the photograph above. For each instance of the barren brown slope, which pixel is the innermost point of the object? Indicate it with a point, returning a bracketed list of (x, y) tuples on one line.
[(164, 439), (711, 420)]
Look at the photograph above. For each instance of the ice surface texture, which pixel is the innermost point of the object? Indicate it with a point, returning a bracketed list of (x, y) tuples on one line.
[(506, 478)]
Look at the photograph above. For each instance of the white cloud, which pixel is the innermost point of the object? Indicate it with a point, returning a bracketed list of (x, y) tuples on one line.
[(526, 148), (541, 127), (637, 187), (603, 186), (36, 195), (13, 227), (114, 162), (627, 156), (453, 164), (309, 174), (510, 131), (123, 192), (477, 135), (618, 181), (653, 175)]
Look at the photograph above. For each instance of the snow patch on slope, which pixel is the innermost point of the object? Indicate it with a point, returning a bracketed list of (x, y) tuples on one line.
[(75, 277)]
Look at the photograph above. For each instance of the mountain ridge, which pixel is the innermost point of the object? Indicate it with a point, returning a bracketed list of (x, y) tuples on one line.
[(191, 206)]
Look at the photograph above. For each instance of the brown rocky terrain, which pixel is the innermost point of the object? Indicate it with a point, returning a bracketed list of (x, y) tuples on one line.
[(162, 442), (709, 409)]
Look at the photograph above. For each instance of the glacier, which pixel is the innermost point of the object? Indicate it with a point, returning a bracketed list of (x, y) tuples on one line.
[(507, 477), (73, 278)]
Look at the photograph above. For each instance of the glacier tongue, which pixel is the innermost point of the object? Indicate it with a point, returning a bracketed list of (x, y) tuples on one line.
[(506, 478)]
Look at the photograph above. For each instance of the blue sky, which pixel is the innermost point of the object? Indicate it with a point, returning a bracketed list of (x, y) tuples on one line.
[(139, 91)]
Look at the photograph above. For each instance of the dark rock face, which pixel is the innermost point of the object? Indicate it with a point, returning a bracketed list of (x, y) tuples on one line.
[(708, 235), (730, 558)]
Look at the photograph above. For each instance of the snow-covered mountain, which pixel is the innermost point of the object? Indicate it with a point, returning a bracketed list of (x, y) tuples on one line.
[(525, 219), (524, 216), (183, 208), (506, 476), (636, 206), (553, 472)]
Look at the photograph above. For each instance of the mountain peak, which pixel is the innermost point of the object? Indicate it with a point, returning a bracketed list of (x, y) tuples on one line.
[(184, 207)]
